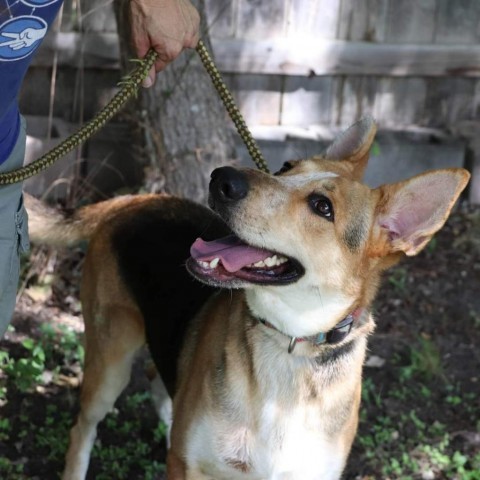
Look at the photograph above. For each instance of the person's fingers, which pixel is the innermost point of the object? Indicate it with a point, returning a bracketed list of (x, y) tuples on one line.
[(192, 40), (150, 79), (168, 50), (160, 65)]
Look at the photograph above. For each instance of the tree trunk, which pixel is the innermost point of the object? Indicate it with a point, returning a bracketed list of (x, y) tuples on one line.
[(185, 126)]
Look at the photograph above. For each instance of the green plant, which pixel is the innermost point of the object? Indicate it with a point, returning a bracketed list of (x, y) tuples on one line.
[(26, 371), (62, 341), (120, 460), (425, 361), (398, 278), (375, 150), (11, 470), (4, 429), (370, 393), (432, 245), (160, 432)]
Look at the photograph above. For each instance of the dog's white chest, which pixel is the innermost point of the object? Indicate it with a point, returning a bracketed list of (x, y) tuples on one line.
[(295, 446), (287, 444)]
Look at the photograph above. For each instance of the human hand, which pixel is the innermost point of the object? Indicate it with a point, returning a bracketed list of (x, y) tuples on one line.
[(167, 26)]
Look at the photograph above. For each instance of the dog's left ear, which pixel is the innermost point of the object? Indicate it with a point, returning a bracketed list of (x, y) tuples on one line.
[(410, 212), (353, 146)]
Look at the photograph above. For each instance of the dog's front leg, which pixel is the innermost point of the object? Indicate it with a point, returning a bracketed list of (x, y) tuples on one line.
[(82, 437)]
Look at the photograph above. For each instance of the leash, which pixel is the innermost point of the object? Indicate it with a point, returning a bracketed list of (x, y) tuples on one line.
[(130, 86)]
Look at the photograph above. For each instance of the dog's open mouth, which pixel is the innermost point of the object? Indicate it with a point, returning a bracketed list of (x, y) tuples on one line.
[(229, 259)]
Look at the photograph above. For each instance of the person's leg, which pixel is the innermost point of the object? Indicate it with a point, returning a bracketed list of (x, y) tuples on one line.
[(13, 233)]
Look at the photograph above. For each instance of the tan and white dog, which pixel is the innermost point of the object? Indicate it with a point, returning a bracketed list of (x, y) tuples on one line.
[(263, 357)]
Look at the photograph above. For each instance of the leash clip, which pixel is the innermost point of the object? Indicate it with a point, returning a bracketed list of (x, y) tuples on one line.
[(291, 346)]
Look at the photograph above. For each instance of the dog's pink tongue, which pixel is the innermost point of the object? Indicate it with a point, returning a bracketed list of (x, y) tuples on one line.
[(233, 253)]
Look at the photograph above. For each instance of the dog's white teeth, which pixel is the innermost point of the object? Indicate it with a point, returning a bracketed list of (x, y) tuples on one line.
[(214, 262), (210, 265), (272, 261)]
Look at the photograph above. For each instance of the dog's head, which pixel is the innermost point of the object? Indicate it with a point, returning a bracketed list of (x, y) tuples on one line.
[(310, 242)]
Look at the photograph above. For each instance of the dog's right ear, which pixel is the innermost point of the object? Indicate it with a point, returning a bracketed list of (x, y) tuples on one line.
[(353, 146)]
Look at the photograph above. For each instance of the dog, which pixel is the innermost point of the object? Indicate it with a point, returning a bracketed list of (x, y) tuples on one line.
[(256, 311)]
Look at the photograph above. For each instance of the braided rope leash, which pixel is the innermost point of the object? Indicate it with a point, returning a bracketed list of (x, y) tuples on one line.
[(130, 85), (231, 108), (129, 88)]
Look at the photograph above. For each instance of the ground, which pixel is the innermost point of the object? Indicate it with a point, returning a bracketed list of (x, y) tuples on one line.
[(420, 416)]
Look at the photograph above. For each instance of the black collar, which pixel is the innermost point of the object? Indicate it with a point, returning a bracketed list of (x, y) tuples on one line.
[(337, 334)]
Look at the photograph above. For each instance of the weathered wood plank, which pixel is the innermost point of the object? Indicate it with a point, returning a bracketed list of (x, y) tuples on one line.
[(109, 160), (304, 57), (34, 98), (286, 56), (363, 20), (260, 19), (93, 50), (469, 131), (461, 105), (314, 18), (354, 97), (458, 22), (258, 97), (307, 101), (98, 16), (400, 101), (448, 101), (476, 101), (220, 17), (475, 180), (411, 22)]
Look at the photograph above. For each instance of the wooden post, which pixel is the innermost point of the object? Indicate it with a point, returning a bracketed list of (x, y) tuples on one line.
[(470, 132)]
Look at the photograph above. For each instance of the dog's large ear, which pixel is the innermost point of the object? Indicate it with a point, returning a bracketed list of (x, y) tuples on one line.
[(410, 212), (353, 146)]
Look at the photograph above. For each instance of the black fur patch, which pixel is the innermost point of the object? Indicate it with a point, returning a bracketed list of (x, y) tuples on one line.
[(152, 245), (333, 354)]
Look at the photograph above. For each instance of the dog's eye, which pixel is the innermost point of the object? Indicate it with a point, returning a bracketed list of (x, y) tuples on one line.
[(285, 168), (322, 206)]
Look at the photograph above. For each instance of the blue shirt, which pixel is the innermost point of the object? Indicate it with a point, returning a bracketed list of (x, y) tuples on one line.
[(23, 25)]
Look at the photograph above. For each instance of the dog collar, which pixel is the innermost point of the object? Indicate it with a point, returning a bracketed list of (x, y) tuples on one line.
[(337, 334)]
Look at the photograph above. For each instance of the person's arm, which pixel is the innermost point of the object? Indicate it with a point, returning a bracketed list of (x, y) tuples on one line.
[(167, 26)]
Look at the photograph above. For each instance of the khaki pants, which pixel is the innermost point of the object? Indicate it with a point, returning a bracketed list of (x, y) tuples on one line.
[(13, 233)]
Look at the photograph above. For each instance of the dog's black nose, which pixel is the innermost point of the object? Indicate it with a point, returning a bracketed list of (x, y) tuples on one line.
[(228, 185)]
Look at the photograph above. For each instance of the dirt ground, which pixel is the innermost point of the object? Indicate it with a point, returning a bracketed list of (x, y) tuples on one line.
[(420, 416)]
